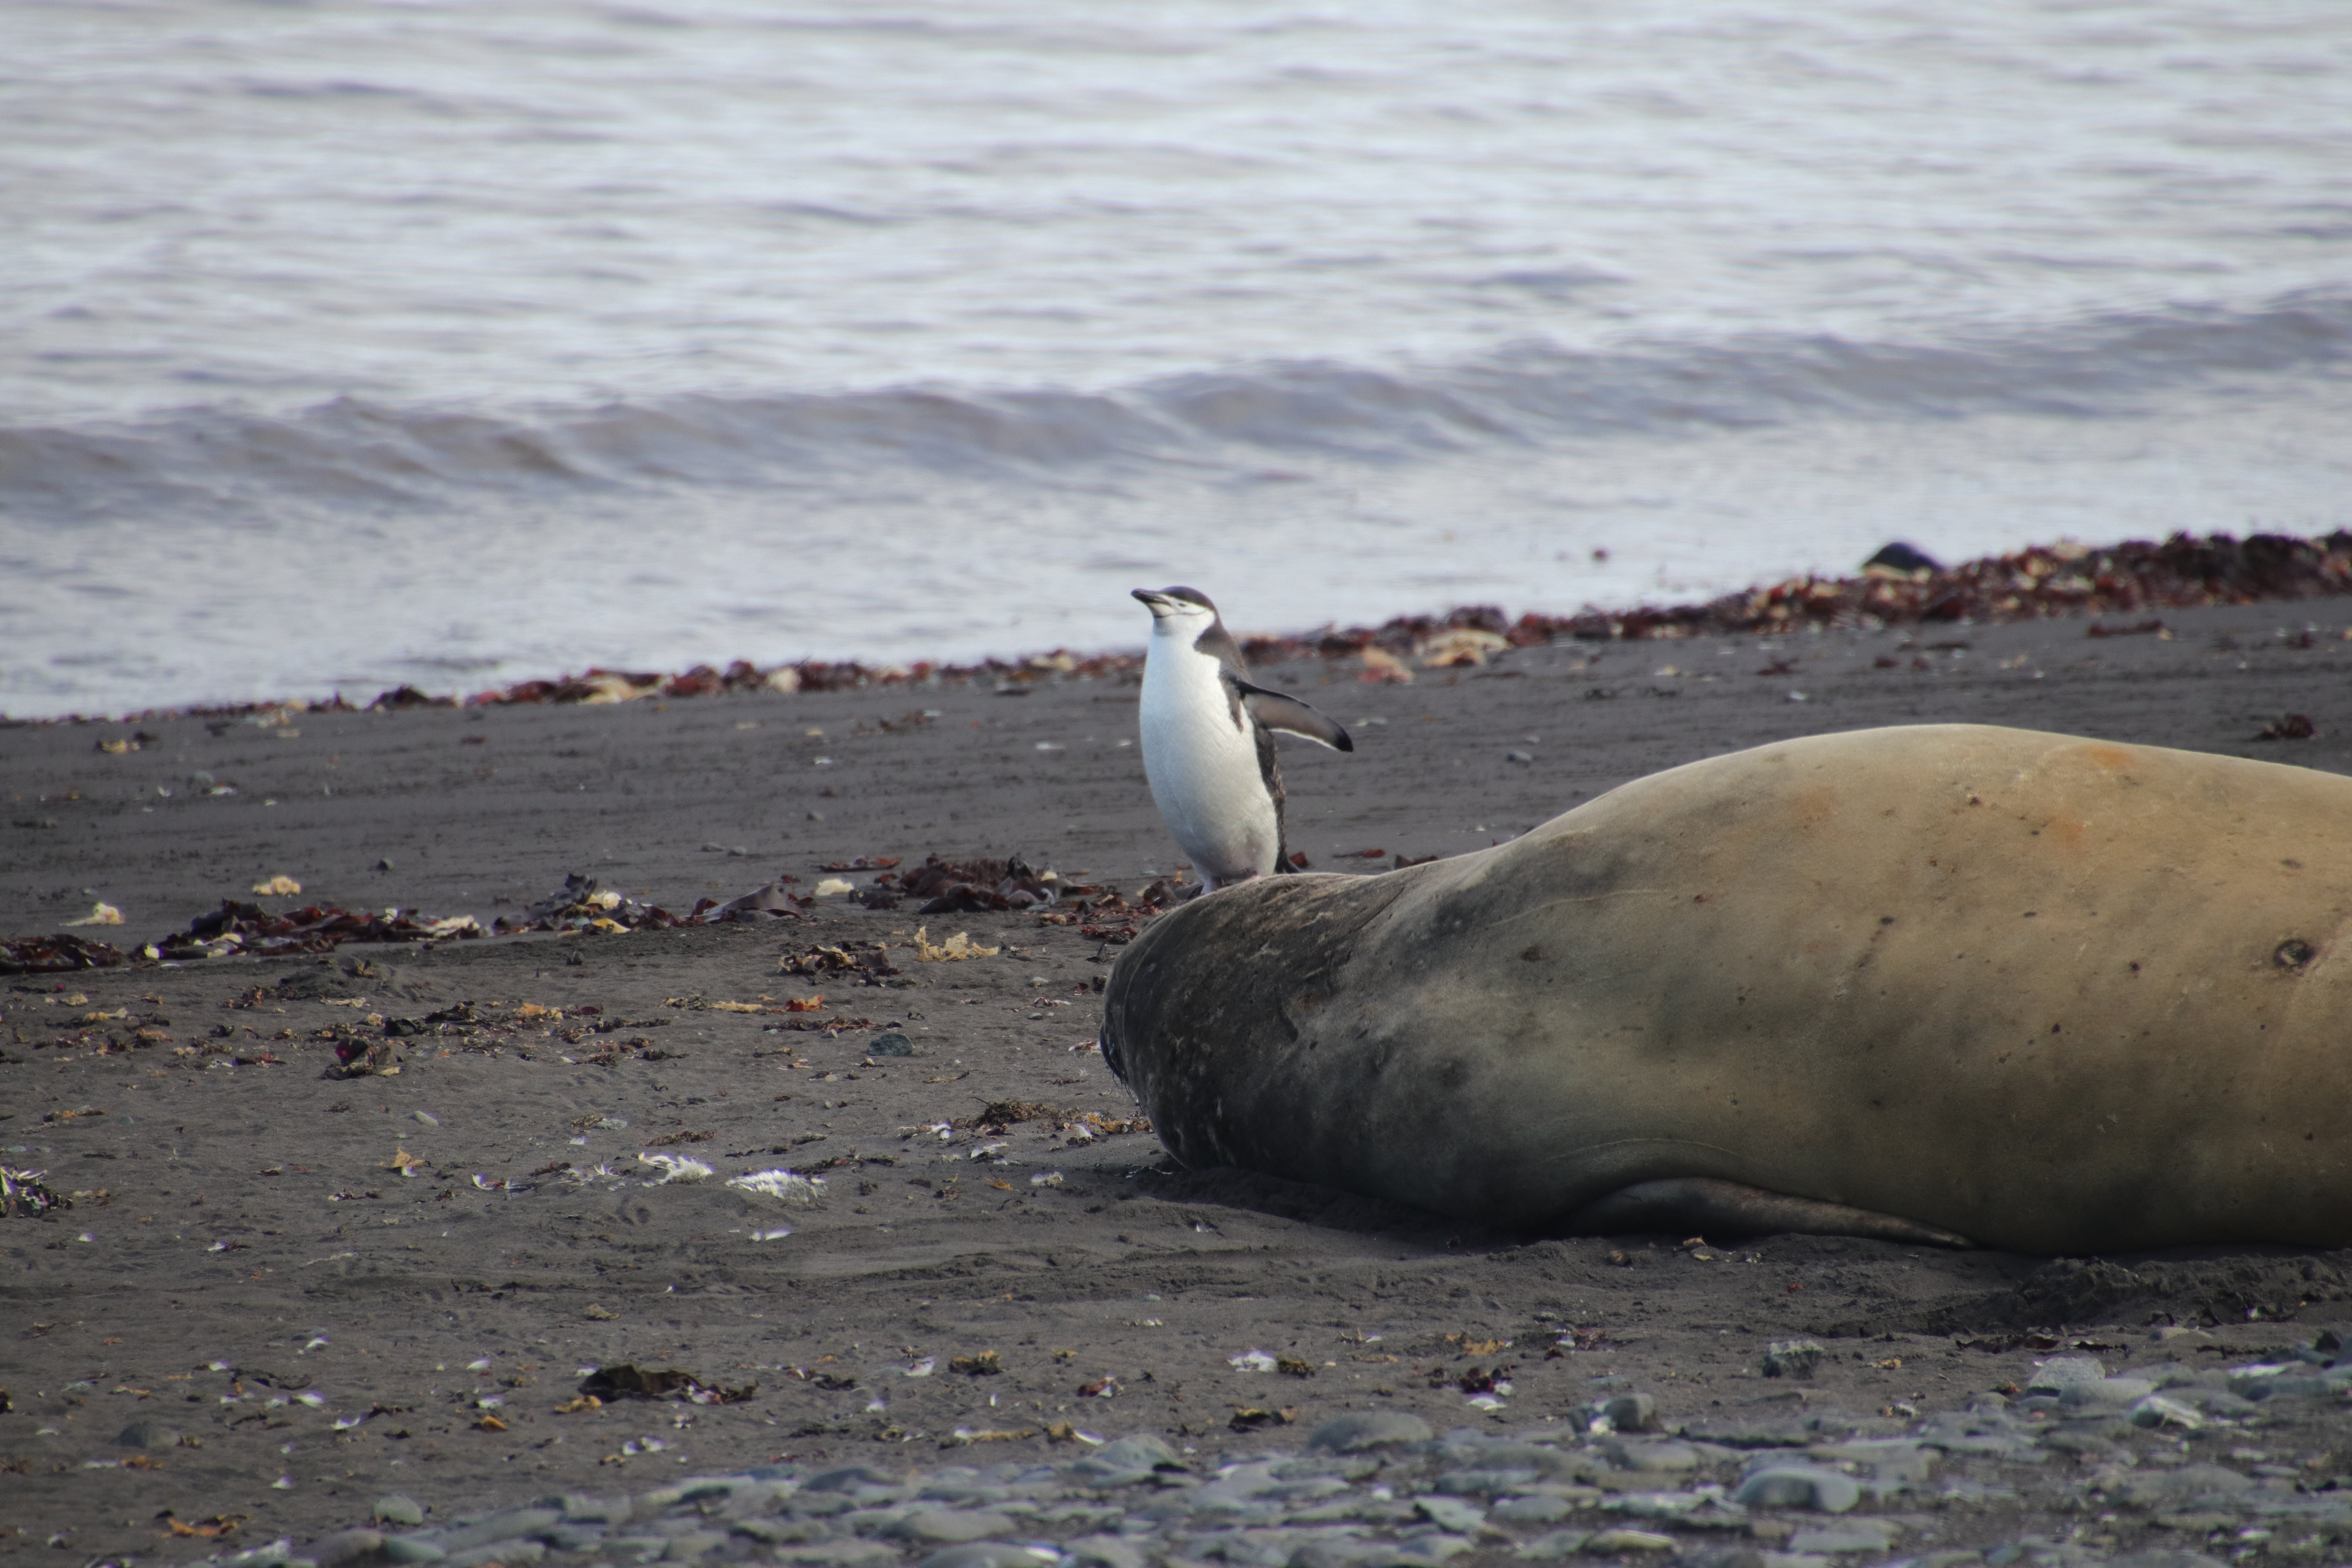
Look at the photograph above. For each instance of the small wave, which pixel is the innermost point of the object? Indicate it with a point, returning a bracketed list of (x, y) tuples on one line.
[(351, 452)]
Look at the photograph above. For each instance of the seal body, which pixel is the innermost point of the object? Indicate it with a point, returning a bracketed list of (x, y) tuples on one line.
[(1208, 741), (1947, 981)]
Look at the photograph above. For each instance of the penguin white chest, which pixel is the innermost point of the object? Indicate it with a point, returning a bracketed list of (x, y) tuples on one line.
[(1203, 766)]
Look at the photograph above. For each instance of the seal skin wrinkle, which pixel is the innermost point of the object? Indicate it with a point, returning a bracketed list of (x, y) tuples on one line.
[(1949, 982)]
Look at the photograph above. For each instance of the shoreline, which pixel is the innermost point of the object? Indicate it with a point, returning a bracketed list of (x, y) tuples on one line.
[(2041, 581)]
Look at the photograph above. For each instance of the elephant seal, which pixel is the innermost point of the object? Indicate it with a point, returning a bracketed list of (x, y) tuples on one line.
[(1947, 983)]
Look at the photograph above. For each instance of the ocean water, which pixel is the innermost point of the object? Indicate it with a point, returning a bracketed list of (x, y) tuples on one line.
[(346, 344)]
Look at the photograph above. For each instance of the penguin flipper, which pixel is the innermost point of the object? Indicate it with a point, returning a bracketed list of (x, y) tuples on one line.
[(1276, 711)]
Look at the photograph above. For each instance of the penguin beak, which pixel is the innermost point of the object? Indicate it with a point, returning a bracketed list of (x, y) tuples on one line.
[(1157, 604)]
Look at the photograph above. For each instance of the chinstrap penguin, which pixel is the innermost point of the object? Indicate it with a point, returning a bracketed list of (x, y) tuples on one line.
[(1208, 741)]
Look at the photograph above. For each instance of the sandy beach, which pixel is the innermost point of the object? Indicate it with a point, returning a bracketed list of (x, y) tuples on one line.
[(282, 1294)]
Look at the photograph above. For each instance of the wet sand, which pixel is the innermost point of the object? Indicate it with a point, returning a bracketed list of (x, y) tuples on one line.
[(348, 1247)]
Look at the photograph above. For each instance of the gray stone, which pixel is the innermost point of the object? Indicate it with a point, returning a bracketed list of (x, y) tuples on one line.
[(848, 1478), (2147, 1488), (840, 1554), (152, 1436), (1624, 1540), (401, 1548), (1851, 1536), (2061, 1372), (965, 1492), (691, 1545), (1890, 1459), (1559, 1543), (1798, 1486), (1791, 1358), (1537, 1510), (892, 1043), (1483, 1483), (1763, 1434), (580, 1508), (1631, 1413), (1450, 1514), (785, 1532), (821, 1505), (508, 1553), (2105, 1393), (2155, 1410), (1105, 1552), (636, 1548), (1354, 1433), (346, 1546), (394, 1508), (939, 1525), (1650, 1454), (872, 1520), (987, 1554), (569, 1537), (510, 1524), (1140, 1452), (1549, 1462)]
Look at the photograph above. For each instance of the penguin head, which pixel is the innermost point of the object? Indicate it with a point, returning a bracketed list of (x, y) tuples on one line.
[(1181, 612)]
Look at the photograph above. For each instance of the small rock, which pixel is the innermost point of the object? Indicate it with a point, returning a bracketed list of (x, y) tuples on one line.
[(1899, 559), (692, 1545), (509, 1525), (892, 1044), (1621, 1540), (1450, 1514), (850, 1554), (1100, 1552), (400, 1549), (497, 1554), (347, 1546), (1798, 1486), (1650, 1454), (394, 1508), (2157, 1411), (1537, 1510), (1631, 1413), (2106, 1393), (989, 1554), (848, 1478), (1369, 1429), (953, 1525), (1852, 1535), (1791, 1358), (2061, 1372), (152, 1436), (426, 1117), (1140, 1452), (384, 864), (1519, 757), (1559, 1543)]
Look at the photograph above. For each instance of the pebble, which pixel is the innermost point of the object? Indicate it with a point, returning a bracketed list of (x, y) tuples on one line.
[(150, 1436), (1379, 1488), (946, 1524), (1375, 1429), (1798, 1486), (394, 1508)]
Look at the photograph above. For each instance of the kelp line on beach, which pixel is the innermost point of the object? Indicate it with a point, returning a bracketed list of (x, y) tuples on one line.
[(2132, 578)]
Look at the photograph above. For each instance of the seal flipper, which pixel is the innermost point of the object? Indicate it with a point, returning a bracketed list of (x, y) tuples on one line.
[(1698, 1206)]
